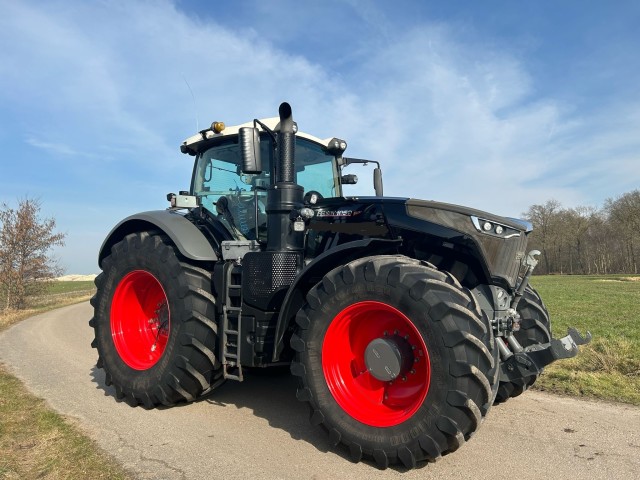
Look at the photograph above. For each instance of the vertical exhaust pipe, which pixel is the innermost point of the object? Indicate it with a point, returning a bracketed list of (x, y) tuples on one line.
[(286, 146), (284, 195)]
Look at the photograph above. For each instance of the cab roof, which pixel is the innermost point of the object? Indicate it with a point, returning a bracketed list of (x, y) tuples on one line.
[(190, 145)]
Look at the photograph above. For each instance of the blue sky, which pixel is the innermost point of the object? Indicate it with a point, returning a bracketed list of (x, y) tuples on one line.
[(495, 105)]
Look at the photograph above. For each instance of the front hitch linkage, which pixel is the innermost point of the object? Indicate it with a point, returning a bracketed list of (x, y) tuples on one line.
[(534, 358), (525, 362)]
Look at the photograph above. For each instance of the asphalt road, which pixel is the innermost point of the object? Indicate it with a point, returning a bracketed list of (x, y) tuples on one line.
[(257, 429)]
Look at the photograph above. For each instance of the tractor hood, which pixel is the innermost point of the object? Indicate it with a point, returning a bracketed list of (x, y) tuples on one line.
[(353, 209), (419, 207), (493, 245)]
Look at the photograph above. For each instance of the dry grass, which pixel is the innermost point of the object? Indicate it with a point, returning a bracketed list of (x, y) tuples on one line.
[(43, 304), (620, 279), (612, 356), (10, 317)]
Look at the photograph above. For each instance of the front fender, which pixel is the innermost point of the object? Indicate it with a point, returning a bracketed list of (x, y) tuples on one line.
[(185, 235), (317, 269)]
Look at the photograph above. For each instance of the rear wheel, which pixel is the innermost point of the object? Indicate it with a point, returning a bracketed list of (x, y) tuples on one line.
[(535, 328), (154, 323), (396, 360)]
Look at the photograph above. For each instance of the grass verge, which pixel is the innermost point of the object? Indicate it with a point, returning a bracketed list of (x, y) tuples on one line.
[(36, 442), (608, 306)]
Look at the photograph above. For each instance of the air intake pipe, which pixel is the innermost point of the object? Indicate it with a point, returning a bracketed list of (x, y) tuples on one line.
[(284, 196)]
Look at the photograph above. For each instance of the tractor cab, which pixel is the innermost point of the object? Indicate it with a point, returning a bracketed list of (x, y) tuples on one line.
[(238, 199)]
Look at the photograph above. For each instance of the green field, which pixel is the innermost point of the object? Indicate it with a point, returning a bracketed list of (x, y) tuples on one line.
[(609, 307), (59, 291), (67, 287)]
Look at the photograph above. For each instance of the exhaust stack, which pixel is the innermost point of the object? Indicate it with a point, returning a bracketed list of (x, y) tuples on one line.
[(286, 146), (284, 195)]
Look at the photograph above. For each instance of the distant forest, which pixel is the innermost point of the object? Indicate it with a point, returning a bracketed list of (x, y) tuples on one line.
[(587, 240)]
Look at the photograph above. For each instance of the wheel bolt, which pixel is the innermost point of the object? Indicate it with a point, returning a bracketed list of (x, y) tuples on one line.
[(412, 372), (404, 379), (416, 359), (386, 334), (395, 332), (406, 337)]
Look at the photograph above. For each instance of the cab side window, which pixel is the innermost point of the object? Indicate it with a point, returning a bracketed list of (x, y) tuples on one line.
[(237, 200)]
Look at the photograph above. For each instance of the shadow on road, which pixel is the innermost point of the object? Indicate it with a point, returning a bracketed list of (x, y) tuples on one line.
[(269, 395)]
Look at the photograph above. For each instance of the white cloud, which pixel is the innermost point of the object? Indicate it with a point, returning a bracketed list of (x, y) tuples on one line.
[(54, 148), (461, 123)]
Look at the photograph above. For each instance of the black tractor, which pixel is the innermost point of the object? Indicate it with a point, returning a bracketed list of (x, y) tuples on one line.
[(404, 320)]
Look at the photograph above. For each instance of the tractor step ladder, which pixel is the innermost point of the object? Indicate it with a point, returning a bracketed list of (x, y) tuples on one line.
[(231, 311)]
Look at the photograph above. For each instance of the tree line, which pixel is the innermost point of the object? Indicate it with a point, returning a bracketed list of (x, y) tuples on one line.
[(587, 240)]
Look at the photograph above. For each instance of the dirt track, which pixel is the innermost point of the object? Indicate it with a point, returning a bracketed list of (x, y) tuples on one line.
[(257, 429)]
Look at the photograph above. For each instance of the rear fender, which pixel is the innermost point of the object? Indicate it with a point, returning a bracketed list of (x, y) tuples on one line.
[(317, 269), (185, 235)]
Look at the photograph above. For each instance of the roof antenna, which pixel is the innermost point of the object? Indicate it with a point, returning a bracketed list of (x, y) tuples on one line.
[(193, 97)]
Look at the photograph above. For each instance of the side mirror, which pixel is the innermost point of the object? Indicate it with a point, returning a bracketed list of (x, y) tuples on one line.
[(349, 179), (250, 150), (377, 181)]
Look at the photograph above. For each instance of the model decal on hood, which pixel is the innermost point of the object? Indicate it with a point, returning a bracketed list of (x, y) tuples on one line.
[(334, 213)]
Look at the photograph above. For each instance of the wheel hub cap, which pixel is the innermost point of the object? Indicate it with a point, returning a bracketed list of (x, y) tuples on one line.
[(388, 358)]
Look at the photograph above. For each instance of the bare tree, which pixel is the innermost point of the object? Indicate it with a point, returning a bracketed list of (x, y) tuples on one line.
[(575, 224), (25, 243), (545, 223), (624, 213)]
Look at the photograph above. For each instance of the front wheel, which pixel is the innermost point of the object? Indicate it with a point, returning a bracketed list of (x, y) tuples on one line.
[(396, 360)]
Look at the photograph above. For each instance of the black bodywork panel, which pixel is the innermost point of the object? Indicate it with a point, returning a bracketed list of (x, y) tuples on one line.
[(432, 231)]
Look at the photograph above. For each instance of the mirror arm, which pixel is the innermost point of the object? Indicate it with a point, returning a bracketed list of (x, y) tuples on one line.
[(349, 161), (266, 129), (273, 138)]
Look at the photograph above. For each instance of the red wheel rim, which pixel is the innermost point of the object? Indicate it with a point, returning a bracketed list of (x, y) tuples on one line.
[(360, 394), (140, 320)]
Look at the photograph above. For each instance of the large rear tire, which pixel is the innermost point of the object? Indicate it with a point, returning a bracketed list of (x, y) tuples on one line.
[(154, 323), (441, 362), (535, 328)]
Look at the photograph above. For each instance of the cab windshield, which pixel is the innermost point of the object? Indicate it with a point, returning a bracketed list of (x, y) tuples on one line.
[(239, 200)]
